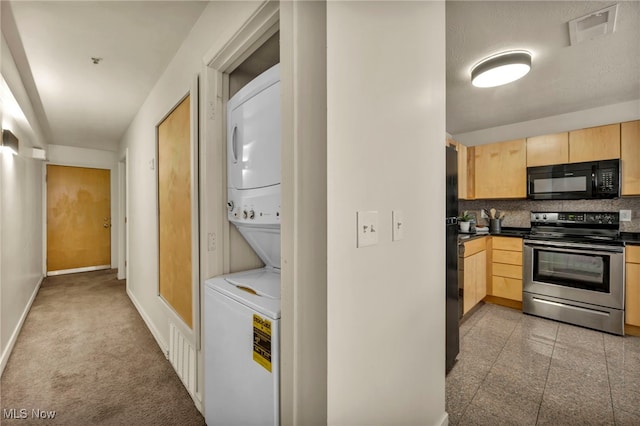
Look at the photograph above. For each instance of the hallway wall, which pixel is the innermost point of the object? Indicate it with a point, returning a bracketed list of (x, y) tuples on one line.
[(217, 24), (21, 232)]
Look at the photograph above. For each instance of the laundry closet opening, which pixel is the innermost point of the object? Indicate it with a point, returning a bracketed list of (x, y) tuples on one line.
[(241, 256)]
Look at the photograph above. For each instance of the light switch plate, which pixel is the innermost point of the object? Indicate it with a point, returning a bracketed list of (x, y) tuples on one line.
[(625, 215), (367, 223), (397, 219)]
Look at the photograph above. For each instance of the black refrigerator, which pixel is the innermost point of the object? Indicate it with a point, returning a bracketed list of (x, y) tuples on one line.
[(452, 305)]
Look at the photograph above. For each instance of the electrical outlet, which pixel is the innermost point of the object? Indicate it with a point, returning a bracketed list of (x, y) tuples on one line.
[(367, 223), (625, 215)]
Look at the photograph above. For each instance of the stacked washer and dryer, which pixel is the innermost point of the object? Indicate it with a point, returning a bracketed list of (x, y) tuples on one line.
[(242, 310)]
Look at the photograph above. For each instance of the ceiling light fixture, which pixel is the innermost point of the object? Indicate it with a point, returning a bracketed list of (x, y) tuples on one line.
[(501, 69)]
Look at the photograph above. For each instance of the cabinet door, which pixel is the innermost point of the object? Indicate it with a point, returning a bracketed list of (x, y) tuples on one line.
[(548, 149), (630, 155), (595, 143), (480, 260), (462, 172), (500, 170), (475, 283), (632, 283)]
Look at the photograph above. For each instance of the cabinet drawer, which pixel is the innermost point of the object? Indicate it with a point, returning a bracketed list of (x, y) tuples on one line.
[(508, 271), (509, 257), (509, 288), (507, 243), (474, 246), (633, 254)]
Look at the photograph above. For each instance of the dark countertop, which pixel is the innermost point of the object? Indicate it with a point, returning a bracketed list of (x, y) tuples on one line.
[(505, 232), (630, 238)]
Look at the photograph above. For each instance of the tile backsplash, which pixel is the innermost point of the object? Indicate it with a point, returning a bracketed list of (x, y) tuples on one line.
[(517, 212)]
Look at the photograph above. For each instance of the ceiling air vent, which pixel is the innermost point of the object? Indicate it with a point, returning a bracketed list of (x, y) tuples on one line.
[(593, 25)]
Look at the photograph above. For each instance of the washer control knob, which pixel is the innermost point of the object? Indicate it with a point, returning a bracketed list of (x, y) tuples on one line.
[(252, 214), (230, 205), (244, 214)]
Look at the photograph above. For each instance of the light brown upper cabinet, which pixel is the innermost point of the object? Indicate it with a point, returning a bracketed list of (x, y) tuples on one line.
[(595, 143), (546, 150), (500, 170), (630, 155), (465, 169)]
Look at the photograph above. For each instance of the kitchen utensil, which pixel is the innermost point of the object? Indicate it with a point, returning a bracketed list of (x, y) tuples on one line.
[(501, 215), (492, 214)]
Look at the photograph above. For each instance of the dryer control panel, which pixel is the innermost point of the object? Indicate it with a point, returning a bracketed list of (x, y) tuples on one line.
[(256, 206)]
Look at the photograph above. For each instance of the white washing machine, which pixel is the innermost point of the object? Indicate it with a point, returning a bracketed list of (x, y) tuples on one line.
[(242, 349), (242, 310)]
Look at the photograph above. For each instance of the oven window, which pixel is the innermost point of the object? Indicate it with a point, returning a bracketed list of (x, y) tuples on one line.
[(586, 271)]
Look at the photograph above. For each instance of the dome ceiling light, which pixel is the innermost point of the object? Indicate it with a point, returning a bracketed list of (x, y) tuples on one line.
[(501, 69)]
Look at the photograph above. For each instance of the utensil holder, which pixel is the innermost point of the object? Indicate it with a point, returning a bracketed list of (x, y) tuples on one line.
[(494, 226)]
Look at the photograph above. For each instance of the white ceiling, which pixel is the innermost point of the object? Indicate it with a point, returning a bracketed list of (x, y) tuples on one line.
[(82, 104), (89, 105), (563, 78)]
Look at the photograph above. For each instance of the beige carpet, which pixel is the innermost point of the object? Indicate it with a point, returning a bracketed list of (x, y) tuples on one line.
[(85, 353)]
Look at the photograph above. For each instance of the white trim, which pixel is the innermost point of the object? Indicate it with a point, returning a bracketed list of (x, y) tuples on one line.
[(154, 331), (76, 270), (195, 210), (16, 332), (121, 237), (445, 419)]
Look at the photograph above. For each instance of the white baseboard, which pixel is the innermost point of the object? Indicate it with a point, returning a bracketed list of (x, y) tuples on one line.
[(154, 331), (445, 419), (16, 332)]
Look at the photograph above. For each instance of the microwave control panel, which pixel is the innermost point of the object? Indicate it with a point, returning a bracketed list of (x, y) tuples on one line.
[(607, 179)]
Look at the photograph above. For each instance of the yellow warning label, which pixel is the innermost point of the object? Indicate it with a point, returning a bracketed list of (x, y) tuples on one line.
[(262, 341)]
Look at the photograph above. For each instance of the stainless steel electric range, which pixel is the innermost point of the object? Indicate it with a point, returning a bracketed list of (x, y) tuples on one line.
[(574, 269)]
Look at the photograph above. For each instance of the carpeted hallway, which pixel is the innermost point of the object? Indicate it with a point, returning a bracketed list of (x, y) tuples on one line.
[(85, 353)]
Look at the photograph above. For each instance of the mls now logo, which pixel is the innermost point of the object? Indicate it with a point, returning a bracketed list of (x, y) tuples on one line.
[(23, 413)]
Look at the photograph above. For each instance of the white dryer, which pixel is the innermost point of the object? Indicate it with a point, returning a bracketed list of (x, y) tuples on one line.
[(242, 310)]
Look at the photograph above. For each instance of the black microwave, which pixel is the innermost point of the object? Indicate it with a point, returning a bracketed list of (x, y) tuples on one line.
[(574, 181)]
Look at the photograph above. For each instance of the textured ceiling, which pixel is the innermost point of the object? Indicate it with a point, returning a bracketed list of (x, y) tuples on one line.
[(91, 105), (563, 78)]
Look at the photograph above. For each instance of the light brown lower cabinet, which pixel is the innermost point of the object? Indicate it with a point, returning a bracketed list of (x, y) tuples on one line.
[(632, 302), (473, 267), (506, 268)]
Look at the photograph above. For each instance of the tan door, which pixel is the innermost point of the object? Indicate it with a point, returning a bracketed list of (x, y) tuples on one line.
[(78, 219)]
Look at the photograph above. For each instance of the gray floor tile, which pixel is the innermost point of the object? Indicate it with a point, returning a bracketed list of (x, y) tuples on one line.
[(578, 374), (567, 409), (519, 369), (582, 339), (510, 396), (537, 329)]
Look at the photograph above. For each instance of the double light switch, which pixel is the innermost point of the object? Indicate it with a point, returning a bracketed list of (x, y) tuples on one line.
[(367, 223)]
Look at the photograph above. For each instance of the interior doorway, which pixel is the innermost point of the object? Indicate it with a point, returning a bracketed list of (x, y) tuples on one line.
[(78, 219)]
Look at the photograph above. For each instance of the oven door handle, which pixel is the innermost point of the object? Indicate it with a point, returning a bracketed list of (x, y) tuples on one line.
[(575, 248)]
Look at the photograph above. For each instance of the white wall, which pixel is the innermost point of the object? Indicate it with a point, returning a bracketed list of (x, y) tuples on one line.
[(615, 113), (21, 232), (385, 151), (93, 158), (217, 24)]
